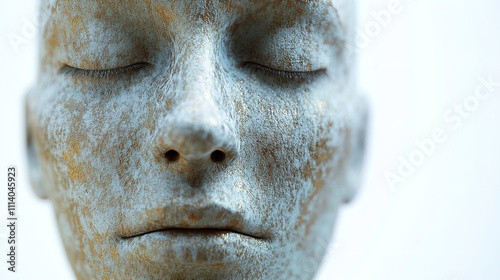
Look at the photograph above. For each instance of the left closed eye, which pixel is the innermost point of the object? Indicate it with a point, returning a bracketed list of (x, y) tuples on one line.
[(289, 75), (102, 73)]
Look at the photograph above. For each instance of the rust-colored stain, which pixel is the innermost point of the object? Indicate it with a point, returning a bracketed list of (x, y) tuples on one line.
[(76, 171), (102, 139), (167, 15)]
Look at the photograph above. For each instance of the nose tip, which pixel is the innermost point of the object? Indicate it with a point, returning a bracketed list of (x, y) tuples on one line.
[(195, 137)]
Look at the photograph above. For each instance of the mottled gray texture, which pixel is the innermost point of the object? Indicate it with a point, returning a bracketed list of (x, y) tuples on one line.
[(264, 82)]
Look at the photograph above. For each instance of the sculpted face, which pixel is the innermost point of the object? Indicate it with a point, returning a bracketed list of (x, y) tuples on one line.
[(195, 139)]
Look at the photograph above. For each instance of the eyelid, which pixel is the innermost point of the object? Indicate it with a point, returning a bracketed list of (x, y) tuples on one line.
[(104, 73), (291, 75)]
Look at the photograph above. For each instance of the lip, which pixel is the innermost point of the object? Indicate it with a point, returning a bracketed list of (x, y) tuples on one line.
[(209, 220), (174, 231)]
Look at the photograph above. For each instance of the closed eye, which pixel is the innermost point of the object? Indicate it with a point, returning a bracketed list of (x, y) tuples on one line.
[(102, 74), (289, 75)]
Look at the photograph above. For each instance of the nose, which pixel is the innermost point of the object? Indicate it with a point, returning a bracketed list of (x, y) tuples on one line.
[(196, 130)]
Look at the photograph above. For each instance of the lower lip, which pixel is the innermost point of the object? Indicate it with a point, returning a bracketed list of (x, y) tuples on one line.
[(211, 246)]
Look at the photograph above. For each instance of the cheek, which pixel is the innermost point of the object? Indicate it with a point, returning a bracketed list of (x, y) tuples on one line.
[(326, 152), (92, 137), (89, 147), (320, 201), (291, 149), (74, 138)]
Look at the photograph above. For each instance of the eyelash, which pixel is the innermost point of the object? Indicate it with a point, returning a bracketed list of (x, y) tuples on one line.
[(102, 74), (111, 73), (289, 75)]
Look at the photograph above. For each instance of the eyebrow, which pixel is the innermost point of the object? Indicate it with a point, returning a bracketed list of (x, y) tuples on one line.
[(314, 9)]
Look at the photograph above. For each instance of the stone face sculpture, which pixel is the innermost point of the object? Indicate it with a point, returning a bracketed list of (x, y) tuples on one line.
[(195, 139)]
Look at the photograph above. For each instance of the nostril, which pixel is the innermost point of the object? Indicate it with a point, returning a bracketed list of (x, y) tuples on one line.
[(218, 156), (172, 156)]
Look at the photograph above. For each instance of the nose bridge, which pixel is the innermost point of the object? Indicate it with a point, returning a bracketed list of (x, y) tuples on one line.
[(196, 60)]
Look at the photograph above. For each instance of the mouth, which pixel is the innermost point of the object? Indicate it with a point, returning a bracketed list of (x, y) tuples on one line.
[(175, 231), (196, 219)]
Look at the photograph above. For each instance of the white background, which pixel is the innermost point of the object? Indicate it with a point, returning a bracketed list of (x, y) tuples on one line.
[(442, 223)]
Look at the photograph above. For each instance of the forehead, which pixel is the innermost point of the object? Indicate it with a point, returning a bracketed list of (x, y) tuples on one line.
[(205, 10)]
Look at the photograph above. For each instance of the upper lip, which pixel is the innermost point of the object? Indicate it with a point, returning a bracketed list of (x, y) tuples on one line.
[(188, 217)]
